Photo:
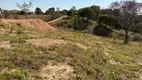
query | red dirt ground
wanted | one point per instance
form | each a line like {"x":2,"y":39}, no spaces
{"x":30,"y":23}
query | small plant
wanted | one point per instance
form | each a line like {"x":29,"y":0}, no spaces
{"x":17,"y":75}
{"x":112,"y":76}
{"x":16,"y":16}
{"x":11,"y":29}
{"x":19,"y":29}
{"x":2,"y":24}
{"x":18,"y":39}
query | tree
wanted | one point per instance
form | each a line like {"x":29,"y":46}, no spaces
{"x":38,"y":11}
{"x":87,"y":13}
{"x":72,"y":11}
{"x":64,"y":12}
{"x":97,"y":10}
{"x":25,"y":7}
{"x":107,"y":11}
{"x":50,"y":11}
{"x":127,"y":11}
{"x":108,"y":20}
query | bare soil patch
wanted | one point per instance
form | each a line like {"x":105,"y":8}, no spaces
{"x":4,"y":44}
{"x":57,"y":71}
{"x":46,"y":42}
{"x":30,"y":23}
{"x":3,"y":31}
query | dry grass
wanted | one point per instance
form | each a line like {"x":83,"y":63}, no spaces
{"x":43,"y":17}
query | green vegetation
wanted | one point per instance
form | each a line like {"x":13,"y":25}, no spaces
{"x":76,"y":23}
{"x":91,"y":63}
{"x":38,"y":11}
{"x":26,"y":53}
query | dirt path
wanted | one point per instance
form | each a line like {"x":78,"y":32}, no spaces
{"x":56,"y":19}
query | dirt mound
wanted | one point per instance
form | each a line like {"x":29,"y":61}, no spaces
{"x":30,"y":23}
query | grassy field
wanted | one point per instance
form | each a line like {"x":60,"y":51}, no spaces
{"x":23,"y":55}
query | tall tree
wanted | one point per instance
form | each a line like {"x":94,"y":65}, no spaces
{"x":128,"y":11}
{"x":25,"y":7}
{"x":38,"y":11}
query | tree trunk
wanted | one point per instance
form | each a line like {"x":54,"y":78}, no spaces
{"x":126,"y":37}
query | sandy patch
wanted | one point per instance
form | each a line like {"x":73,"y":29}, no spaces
{"x":4,"y":44}
{"x":46,"y":42}
{"x":57,"y":71}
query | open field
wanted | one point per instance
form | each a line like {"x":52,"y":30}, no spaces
{"x":33,"y":55}
{"x":45,"y":40}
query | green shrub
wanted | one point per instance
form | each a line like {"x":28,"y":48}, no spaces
{"x":108,"y":20}
{"x":136,"y":37}
{"x":6,"y":14}
{"x":19,"y":29}
{"x":2,"y":25}
{"x":18,"y":39}
{"x":17,"y":75}
{"x":102,"y":30}
{"x":16,"y":16}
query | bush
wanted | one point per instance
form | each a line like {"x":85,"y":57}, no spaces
{"x":18,"y":39}
{"x":54,"y":15}
{"x":108,"y":20}
{"x":102,"y":30}
{"x":6,"y":14}
{"x":136,"y":37}
{"x":18,"y":75}
{"x":2,"y":25}
{"x":78,"y":23}
{"x":16,"y":16}
{"x":18,"y":29}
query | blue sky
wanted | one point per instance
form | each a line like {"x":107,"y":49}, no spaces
{"x":63,"y":4}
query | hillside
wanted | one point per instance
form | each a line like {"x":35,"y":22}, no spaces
{"x":66,"y":55}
